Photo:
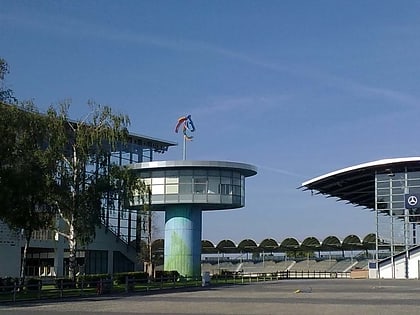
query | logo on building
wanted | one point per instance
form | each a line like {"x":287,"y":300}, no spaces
{"x":411,"y":201}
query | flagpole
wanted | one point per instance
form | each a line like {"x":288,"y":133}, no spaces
{"x":187,"y":125}
{"x":184,"y":149}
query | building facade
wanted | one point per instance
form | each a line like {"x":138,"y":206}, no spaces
{"x":111,"y":251}
{"x":391,"y":189}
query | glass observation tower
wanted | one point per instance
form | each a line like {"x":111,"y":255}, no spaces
{"x":183,"y":189}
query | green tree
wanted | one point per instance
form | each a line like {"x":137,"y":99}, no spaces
{"x":6,"y":94}
{"x":87,"y":181}
{"x":26,"y":172}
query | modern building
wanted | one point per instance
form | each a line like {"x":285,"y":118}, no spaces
{"x":183,"y":189}
{"x":391,"y":189}
{"x":111,"y":250}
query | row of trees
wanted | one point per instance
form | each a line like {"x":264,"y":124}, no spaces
{"x":53,"y":169}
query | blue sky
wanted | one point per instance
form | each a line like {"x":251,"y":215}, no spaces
{"x":297,"y":88}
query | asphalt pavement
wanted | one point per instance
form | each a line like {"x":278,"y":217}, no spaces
{"x":326,"y":297}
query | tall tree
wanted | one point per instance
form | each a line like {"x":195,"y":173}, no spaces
{"x":26,"y":172}
{"x":87,"y":180}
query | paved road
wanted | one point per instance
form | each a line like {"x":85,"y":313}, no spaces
{"x":326,"y":297}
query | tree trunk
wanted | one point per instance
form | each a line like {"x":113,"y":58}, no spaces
{"x":72,"y":252}
{"x":28,"y":235}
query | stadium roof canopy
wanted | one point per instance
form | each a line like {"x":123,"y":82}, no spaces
{"x":270,"y":245}
{"x":356,"y":184}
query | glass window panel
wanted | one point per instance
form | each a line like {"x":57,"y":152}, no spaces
{"x":413,"y":182}
{"x":185,"y":188}
{"x":158,"y":180}
{"x":226,"y":173}
{"x":398,"y":205}
{"x":200,"y":185}
{"x":185,"y":179}
{"x":200,"y":198}
{"x":200,"y":180}
{"x":213,"y":173}
{"x":398,"y":211}
{"x":172,"y":173}
{"x":158,"y":198}
{"x":145,"y":174}
{"x":383,"y":201}
{"x":415,"y":175}
{"x":397,"y":197}
{"x":158,"y":174}
{"x":200,"y":188}
{"x":171,"y":189}
{"x":186,"y":198}
{"x":398,"y":183}
{"x":213,"y":198}
{"x":199,"y":172}
{"x":214,"y":183}
{"x":396,"y":191}
{"x":225,"y":189}
{"x":414,"y":190}
{"x":237,"y":190}
{"x":383,"y":192}
{"x":172,"y":180}
{"x":185,"y":173}
{"x":226,"y":180}
{"x":158,"y":189}
{"x":171,"y":198}
{"x":236,"y":199}
{"x":226,"y":199}
{"x":383,"y":184}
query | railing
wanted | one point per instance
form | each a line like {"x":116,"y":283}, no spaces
{"x":62,"y":288}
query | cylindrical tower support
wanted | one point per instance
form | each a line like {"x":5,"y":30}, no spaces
{"x":183,"y":226}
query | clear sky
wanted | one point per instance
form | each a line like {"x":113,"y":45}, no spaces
{"x":297,"y":88}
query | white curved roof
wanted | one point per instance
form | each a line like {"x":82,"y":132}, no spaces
{"x":356,"y":184}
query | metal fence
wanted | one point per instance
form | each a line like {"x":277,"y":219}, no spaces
{"x":63,"y":288}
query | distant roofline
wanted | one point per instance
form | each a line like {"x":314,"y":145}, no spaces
{"x":158,"y":145}
{"x":382,"y":162}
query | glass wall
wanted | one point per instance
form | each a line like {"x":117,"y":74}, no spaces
{"x":121,"y":221}
{"x":213,"y":188}
{"x":396,"y":225}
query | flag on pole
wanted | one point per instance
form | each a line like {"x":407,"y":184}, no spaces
{"x":187,"y":125}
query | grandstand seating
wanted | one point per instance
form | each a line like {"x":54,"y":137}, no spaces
{"x":250,"y":267}
{"x":342,"y":266}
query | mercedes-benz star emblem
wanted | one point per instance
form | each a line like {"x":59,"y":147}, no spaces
{"x":412,"y":200}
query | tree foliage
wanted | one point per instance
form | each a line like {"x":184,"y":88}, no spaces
{"x":6,"y":94}
{"x":87,"y":180}
{"x":51,"y":165}
{"x":26,"y":171}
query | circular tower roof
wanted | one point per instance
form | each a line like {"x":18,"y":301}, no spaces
{"x":208,"y":185}
{"x":245,"y":169}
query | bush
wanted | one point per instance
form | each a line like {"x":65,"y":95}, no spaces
{"x":91,"y":281}
{"x":33,"y":284}
{"x":7,"y":284}
{"x":65,"y":283}
{"x":138,"y":277}
{"x":167,"y":276}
